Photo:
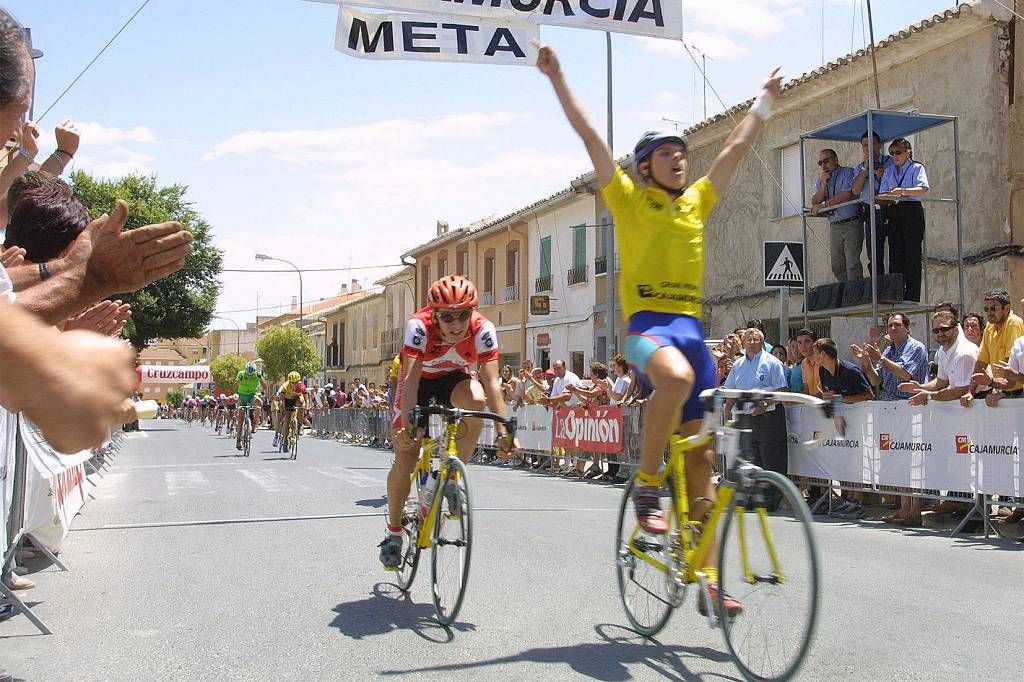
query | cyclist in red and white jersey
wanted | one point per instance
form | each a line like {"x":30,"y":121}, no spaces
{"x":442,"y":342}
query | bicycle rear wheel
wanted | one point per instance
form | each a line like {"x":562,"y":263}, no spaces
{"x":644,"y":567}
{"x":777,"y":581}
{"x":453,"y":536}
{"x":410,"y":550}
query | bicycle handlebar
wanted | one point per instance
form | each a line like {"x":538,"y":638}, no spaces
{"x":456,"y":414}
{"x":714,"y":399}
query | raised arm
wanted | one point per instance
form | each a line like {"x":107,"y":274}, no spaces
{"x":600,"y":155}
{"x":743,"y":135}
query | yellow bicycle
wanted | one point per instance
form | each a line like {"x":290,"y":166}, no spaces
{"x":440,"y":516}
{"x":767,"y":558}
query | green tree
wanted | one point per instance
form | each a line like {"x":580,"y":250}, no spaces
{"x":179,"y":305}
{"x":175,"y":398}
{"x":284,"y":349}
{"x":225,"y":370}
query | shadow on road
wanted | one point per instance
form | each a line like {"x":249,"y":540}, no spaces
{"x":389,"y":609}
{"x":275,"y":459}
{"x":603,"y":660}
{"x":373,"y":502}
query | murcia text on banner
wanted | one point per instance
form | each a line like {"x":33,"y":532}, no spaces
{"x":655,"y":18}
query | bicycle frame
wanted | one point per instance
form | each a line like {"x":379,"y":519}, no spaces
{"x":694,"y":559}
{"x":427,"y":450}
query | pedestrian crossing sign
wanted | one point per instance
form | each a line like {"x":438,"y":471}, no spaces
{"x":783,"y":264}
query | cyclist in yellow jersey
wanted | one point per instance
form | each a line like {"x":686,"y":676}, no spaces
{"x":659,"y":229}
{"x":292,"y":392}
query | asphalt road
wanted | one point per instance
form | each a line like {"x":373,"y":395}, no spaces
{"x":191,"y":563}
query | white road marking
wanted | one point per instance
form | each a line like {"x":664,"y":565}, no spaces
{"x":191,"y":482}
{"x":105,"y":488}
{"x":356,"y":478}
{"x":270,"y":480}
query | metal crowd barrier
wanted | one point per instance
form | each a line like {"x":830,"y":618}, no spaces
{"x":372,"y":428}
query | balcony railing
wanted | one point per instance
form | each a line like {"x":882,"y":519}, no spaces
{"x":577,"y":275}
{"x":600,"y":265}
{"x":487,"y":298}
{"x":510,"y":294}
{"x":543,"y":283}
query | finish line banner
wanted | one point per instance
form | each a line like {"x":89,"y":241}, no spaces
{"x":433,"y":38}
{"x":654,"y":18}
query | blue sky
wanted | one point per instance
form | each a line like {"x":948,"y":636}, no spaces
{"x":295,"y":150}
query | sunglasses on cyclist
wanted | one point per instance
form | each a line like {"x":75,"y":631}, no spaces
{"x":448,"y":318}
{"x":942,"y":330}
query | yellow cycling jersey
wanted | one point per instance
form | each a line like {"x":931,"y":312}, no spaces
{"x":396,"y":365}
{"x":287,"y":390}
{"x":661,"y":244}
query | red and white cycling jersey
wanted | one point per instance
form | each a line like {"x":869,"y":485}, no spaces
{"x":423,"y":341}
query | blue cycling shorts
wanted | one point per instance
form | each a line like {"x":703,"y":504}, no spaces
{"x":649,"y":332}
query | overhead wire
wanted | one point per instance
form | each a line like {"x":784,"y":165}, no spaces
{"x":93,"y":61}
{"x":764,"y":164}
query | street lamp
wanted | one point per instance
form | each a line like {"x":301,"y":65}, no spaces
{"x":261,"y":256}
{"x":238,"y":333}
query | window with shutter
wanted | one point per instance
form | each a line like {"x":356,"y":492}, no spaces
{"x":789,"y":197}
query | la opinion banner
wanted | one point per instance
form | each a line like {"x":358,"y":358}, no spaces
{"x":655,"y":18}
{"x":593,"y":429}
{"x":941,"y":446}
{"x":176,"y":374}
{"x":434,"y":38}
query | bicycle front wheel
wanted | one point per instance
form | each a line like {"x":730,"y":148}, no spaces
{"x":644,"y":566}
{"x":246,"y":437}
{"x":769,"y":563}
{"x":293,"y":437}
{"x":453,"y":537}
{"x":410,"y":547}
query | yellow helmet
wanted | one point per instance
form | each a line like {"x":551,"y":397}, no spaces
{"x":293,"y":377}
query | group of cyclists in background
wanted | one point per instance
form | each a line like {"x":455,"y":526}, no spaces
{"x":254,"y":399}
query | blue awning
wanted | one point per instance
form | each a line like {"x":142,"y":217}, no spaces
{"x":888,"y":124}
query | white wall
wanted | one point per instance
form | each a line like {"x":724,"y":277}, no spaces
{"x":570,"y":323}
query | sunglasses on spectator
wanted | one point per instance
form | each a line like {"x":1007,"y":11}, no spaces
{"x":993,"y":308}
{"x":899,"y":152}
{"x":452,"y":317}
{"x":942,"y":330}
{"x":822,"y":162}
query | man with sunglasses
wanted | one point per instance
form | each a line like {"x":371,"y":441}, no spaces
{"x":846,"y":235}
{"x":906,"y":180}
{"x":955,"y":358}
{"x":1002,"y":331}
{"x":442,"y":341}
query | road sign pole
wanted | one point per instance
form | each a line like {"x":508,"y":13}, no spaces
{"x":784,"y":316}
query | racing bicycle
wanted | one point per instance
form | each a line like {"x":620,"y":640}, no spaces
{"x":767,"y":559}
{"x":446,"y":526}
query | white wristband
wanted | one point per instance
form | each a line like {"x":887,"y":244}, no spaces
{"x":24,"y":152}
{"x":762,"y":107}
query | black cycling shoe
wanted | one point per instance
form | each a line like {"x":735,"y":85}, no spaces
{"x":391,"y":552}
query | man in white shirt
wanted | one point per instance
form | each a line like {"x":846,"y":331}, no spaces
{"x":955,"y":357}
{"x":560,"y":394}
